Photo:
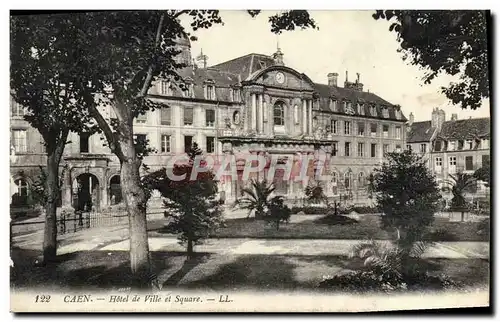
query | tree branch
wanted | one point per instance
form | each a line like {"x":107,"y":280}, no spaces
{"x":108,"y":132}
{"x":149,"y":76}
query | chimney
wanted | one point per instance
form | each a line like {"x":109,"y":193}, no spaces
{"x":411,"y":120}
{"x":332,"y":79}
{"x":454,"y":117}
{"x":438,"y":118}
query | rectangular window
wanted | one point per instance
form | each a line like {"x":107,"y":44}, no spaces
{"x":190,"y":90}
{"x":385,"y":130}
{"x":166,"y":116}
{"x":84,"y":142}
{"x":373,"y":129}
{"x":347,"y":127}
{"x":165,"y":143}
{"x":165,"y":88}
{"x":469,"y":145}
{"x":373,"y":110}
{"x":373,"y":152}
{"x":296,"y":114}
{"x":210,"y":117}
{"x":452,"y":146}
{"x":210,"y":92}
{"x":347,"y":149}
{"x":460,"y":144}
{"x":453,"y":161}
{"x":188,"y":142}
{"x":469,"y":163}
{"x":188,"y":116}
{"x":398,"y":132}
{"x":334,"y":126}
{"x":361,"y":110}
{"x":423,"y":148}
{"x":408,"y":147}
{"x":236,"y":95}
{"x":361,"y":149}
{"x":210,"y":144}
{"x":20,"y":142}
{"x":361,"y":129}
{"x":439,"y":162}
{"x":16,"y":108}
{"x":385,"y":148}
{"x":142,"y":118}
{"x":335,"y":148}
{"x":437,"y":146}
{"x":398,"y":114}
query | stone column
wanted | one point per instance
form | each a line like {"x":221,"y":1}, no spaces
{"x":261,"y":114}
{"x":309,"y":107}
{"x":304,"y":116}
{"x":67,"y":197}
{"x":254,"y":111}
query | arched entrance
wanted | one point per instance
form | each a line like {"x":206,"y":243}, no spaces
{"x":115,"y":190}
{"x":86,"y":192}
{"x":20,"y":196}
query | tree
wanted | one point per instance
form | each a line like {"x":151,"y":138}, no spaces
{"x":450,"y":41}
{"x":258,"y":198}
{"x":483,"y":174}
{"x":315,"y":193}
{"x":278,"y":212}
{"x":139,"y":49}
{"x":45,"y":81}
{"x":407,"y":194}
{"x":460,"y":183}
{"x":191,"y":203}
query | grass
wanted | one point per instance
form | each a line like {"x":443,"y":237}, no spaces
{"x":102,"y":270}
{"x":339,"y":227}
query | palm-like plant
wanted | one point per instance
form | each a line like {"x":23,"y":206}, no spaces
{"x":386,"y":258}
{"x":460,"y":184}
{"x":258,"y":198}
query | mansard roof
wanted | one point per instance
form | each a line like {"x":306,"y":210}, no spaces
{"x":466,"y":129}
{"x":421,"y":132}
{"x":245,"y":66}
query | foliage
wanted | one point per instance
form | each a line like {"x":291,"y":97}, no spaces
{"x":407,"y":194}
{"x":483,"y":228}
{"x":311,"y":210}
{"x":483,"y":173}
{"x":37,"y":189}
{"x":450,"y":41}
{"x":315,"y":193}
{"x":387,"y":258}
{"x":191,"y":205}
{"x":364,"y":281}
{"x":278,"y":212}
{"x":460,"y":183}
{"x":258,"y":198}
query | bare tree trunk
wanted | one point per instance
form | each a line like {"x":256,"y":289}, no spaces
{"x":190,"y":250}
{"x":135,"y":200}
{"x":52,"y":194}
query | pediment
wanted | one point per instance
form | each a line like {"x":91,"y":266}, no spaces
{"x":282,"y":77}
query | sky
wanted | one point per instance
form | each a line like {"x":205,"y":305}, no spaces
{"x":346,"y":41}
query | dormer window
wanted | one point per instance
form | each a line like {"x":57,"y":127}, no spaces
{"x":210,"y":92}
{"x":188,"y":91}
{"x":385,"y":112}
{"x":361,"y":109}
{"x":348,"y":108}
{"x":373,"y":110}
{"x":262,"y":64}
{"x":165,"y":88}
{"x":16,"y":108}
{"x":398,"y":114}
{"x":333,"y":105}
{"x":235,"y":95}
{"x":452,"y":146}
{"x":469,"y":145}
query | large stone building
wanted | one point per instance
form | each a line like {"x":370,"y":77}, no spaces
{"x":451,"y":146}
{"x":252,"y":104}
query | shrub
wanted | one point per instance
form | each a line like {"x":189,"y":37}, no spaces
{"x":278,"y":212}
{"x":310,"y":210}
{"x":483,"y":228}
{"x":364,"y":281}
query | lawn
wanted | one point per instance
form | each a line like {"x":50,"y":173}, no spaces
{"x":336,"y":227}
{"x":102,"y":270}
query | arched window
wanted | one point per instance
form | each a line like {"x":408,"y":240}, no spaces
{"x":348,"y":180}
{"x":361,"y":180}
{"x":335,"y":178}
{"x":279,"y":113}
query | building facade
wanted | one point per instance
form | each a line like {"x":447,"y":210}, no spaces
{"x":452,"y":146}
{"x":252,"y":104}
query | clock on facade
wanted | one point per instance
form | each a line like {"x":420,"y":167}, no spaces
{"x":280,"y":78}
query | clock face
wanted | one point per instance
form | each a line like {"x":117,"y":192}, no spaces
{"x":280,"y":78}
